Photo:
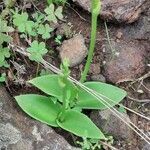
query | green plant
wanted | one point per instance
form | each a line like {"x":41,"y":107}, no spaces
{"x":45,"y":31}
{"x":60,"y":108}
{"x":89,"y":144}
{"x":96,"y":6}
{"x":53,"y":14}
{"x":3,"y":77}
{"x":37,"y":50}
{"x":38,"y":25}
{"x":58,"y":39}
{"x":4,"y":38}
{"x":4,"y":53}
{"x":23,"y":23}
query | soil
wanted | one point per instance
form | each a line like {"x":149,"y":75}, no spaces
{"x":138,"y":89}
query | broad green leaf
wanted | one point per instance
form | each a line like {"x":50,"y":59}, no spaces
{"x":87,"y":101}
{"x":80,"y":125}
{"x":39,"y":107}
{"x":50,"y":85}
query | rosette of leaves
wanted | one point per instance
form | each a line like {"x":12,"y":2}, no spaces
{"x":62,"y":106}
{"x":53,"y":14}
{"x":37,"y":50}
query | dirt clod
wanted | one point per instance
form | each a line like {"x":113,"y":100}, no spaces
{"x":74,"y":50}
{"x":128,"y":64}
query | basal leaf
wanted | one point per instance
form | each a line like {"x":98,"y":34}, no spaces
{"x":39,"y":107}
{"x":50,"y":85}
{"x":80,"y":125}
{"x":87,"y":101}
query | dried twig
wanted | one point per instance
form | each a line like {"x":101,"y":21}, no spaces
{"x":139,"y":101}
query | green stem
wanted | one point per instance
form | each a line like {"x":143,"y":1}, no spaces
{"x":95,"y":12}
{"x":65,"y":104}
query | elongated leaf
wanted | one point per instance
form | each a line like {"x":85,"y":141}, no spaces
{"x":50,"y":85}
{"x":80,"y":125}
{"x":40,"y":108}
{"x":87,"y":101}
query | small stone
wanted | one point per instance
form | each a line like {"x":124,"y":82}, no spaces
{"x":128,"y":65}
{"x":98,"y":77}
{"x":112,"y":125}
{"x":74,"y":50}
{"x":119,"y":35}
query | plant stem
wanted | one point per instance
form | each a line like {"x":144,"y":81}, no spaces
{"x":95,"y":12}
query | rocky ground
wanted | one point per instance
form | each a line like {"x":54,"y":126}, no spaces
{"x":125,"y":63}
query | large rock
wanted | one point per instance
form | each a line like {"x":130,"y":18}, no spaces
{"x":74,"y":50}
{"x":126,"y":11}
{"x":19,"y":132}
{"x":112,"y":125}
{"x":128,"y":64}
{"x":139,"y":30}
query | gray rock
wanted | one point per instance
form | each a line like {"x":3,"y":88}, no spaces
{"x":117,"y":10}
{"x":146,"y":147}
{"x":128,"y":64}
{"x":19,"y":132}
{"x":98,"y":77}
{"x":74,"y":50}
{"x":8,"y":135}
{"x":140,"y":30}
{"x":112,"y":125}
